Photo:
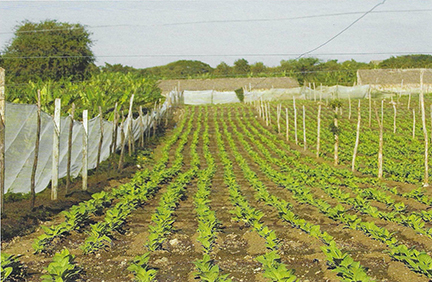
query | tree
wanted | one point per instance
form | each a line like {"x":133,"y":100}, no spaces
{"x":258,"y":68}
{"x":48,"y":50}
{"x":223,"y":69}
{"x":241,"y":66}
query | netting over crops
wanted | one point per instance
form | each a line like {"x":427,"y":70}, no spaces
{"x":322,"y":92}
{"x":20,"y":138}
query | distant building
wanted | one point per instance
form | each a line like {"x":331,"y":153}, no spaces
{"x":399,"y":77}
{"x":228,"y":84}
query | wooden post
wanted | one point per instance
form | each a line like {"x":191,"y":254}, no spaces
{"x":36,"y":156}
{"x":279,"y":109}
{"x":318,"y":130}
{"x":115,"y":131}
{"x":349,"y":106}
{"x":269,"y":112}
{"x":357,"y":136}
{"x":431,"y":120}
{"x":336,"y":137}
{"x":304,"y":129}
{"x":2,"y":137}
{"x":55,"y":151}
{"x":101,"y":137}
{"x":129,"y":126}
{"x":381,"y":140}
{"x":425,"y":133}
{"x":370,"y":108}
{"x":287,"y":124}
{"x":122,"y":134}
{"x":85,"y":151}
{"x":409,"y":100}
{"x":266,"y":114}
{"x":69,"y":153}
{"x":394,"y":116}
{"x":414,"y":124}
{"x":141,"y":123}
{"x":295,"y":123}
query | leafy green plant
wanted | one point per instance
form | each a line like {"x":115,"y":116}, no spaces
{"x":62,"y":268}
{"x":11,"y":268}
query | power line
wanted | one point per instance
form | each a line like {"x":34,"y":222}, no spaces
{"x":220,"y":55}
{"x":343,"y":30}
{"x":220,"y":21}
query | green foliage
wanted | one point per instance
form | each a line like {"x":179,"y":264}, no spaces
{"x":103,"y":89}
{"x":179,"y":69}
{"x":240,"y":94}
{"x":241,"y":66}
{"x":48,"y":50}
{"x":407,"y":61}
{"x":11,"y":268}
{"x":62,"y":268}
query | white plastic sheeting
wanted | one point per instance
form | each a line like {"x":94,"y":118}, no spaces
{"x":322,"y":92}
{"x":20,"y":138}
{"x":209,"y":97}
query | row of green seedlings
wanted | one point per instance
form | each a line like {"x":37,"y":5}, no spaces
{"x":208,"y":225}
{"x":341,"y":262}
{"x":131,"y":194}
{"x":398,"y":167}
{"x":163,"y":217}
{"x":416,"y":194}
{"x":360,"y":200}
{"x":274,"y":269}
{"x":416,"y":260}
{"x":101,"y":233}
{"x":79,"y":215}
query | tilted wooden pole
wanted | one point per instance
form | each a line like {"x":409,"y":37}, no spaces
{"x":425,"y":133}
{"x":287,"y":124}
{"x":101,"y":137}
{"x":69,"y":153}
{"x":36,"y":156}
{"x":85,"y":151}
{"x":318,"y":130}
{"x":381,"y":140}
{"x":2,"y":137}
{"x":304,"y":129}
{"x":56,"y":149}
{"x":295,"y":123}
{"x":357,"y":137}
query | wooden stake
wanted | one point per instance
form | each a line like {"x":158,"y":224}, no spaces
{"x":279,"y":109}
{"x":141,"y":123}
{"x":409,"y":100}
{"x":318,"y":130}
{"x":113,"y":146}
{"x":425,"y":133}
{"x":336,"y":137}
{"x":55,"y":151}
{"x":414,"y":123}
{"x":129,"y":126}
{"x":380,"y":148}
{"x":85,"y":150}
{"x":357,"y":137}
{"x":287,"y":124}
{"x":2,"y":137}
{"x":101,"y":137}
{"x":295,"y":122}
{"x":370,"y":108}
{"x":123,"y":127}
{"x":69,"y":153}
{"x":304,"y":129}
{"x":349,"y":106}
{"x":394,"y":116}
{"x":36,"y":156}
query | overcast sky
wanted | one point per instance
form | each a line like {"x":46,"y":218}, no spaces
{"x":149,"y":33}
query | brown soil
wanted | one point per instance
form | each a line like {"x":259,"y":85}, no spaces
{"x":237,"y":245}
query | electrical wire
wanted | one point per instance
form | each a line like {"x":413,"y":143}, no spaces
{"x":343,"y":30}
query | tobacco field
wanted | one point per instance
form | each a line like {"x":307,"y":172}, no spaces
{"x":226,"y":197}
